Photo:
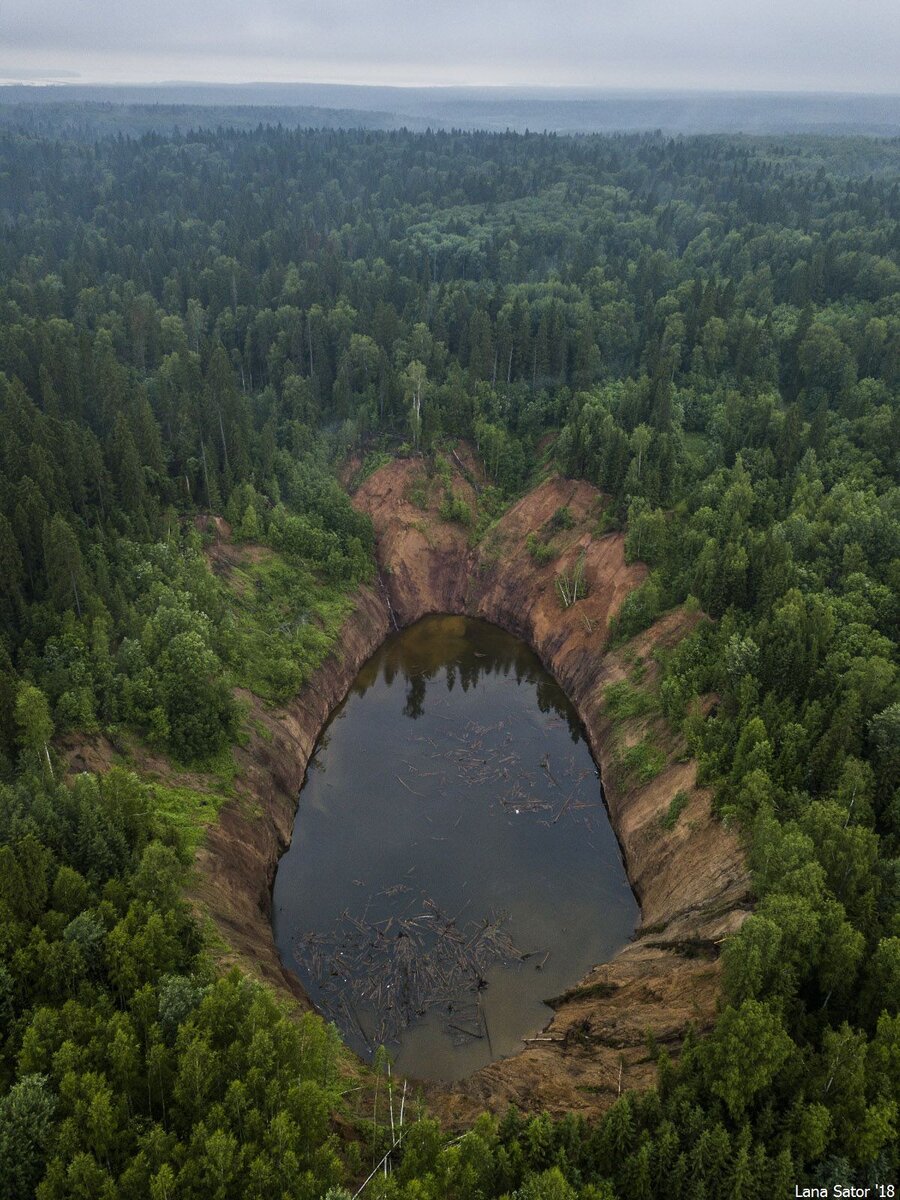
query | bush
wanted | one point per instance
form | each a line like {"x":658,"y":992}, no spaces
{"x":561,"y":519}
{"x":454,"y":509}
{"x":644,"y":761}
{"x":677,"y":805}
{"x":621,"y":701}
{"x":638,"y":612}
{"x":417,"y":493}
{"x":539,"y":551}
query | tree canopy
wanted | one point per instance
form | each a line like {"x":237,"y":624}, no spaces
{"x":201,"y":326}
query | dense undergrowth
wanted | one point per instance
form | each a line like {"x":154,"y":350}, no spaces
{"x":709,"y":330}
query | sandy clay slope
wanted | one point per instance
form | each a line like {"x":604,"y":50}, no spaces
{"x":691,"y":881}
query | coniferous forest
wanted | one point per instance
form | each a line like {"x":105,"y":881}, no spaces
{"x":212,"y":324}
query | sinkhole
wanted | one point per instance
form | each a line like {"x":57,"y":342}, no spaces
{"x":452,"y":863}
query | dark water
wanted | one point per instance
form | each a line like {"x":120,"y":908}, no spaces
{"x":452,"y":864}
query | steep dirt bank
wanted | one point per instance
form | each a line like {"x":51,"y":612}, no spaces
{"x":690,"y":880}
{"x":237,"y":860}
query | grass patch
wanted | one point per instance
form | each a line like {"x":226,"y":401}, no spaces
{"x":261,"y":729}
{"x":639,"y":671}
{"x":283,"y":623}
{"x":677,"y":805}
{"x":187,"y":810}
{"x":643,"y":761}
{"x":221,"y":766}
{"x":621,"y":700}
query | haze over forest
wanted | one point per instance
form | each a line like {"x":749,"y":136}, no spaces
{"x":168,"y":107}
{"x":574,"y":67}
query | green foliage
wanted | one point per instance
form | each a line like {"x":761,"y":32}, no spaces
{"x":454,"y":508}
{"x":745,"y":1054}
{"x":621,"y":701}
{"x":186,"y":810}
{"x":561,"y":519}
{"x":570,"y":584}
{"x":643,"y":761}
{"x":26,"y":1115}
{"x":35,"y":725}
{"x":639,"y":610}
{"x":677,"y":805}
{"x":491,"y":506}
{"x":707,"y":330}
{"x":124,"y":1041}
{"x":373,"y":461}
{"x":417,"y":493}
{"x":541,"y":552}
{"x":282,"y":622}
{"x":502,"y":454}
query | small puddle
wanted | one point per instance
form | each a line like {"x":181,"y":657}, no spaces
{"x":452,"y":863}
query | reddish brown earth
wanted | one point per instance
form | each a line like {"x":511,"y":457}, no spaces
{"x":691,"y":882}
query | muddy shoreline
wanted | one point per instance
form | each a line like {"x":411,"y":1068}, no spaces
{"x":691,"y":881}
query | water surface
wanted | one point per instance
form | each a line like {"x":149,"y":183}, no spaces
{"x":452,"y":863}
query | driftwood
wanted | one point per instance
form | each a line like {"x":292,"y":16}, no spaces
{"x":408,"y":788}
{"x":394,"y":970}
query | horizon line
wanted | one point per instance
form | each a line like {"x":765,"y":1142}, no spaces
{"x":50,"y":80}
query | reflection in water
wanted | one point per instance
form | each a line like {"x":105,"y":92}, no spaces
{"x":452,"y":864}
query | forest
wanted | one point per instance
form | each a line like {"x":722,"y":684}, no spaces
{"x":212,"y":323}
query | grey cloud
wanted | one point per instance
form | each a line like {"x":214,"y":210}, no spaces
{"x":829,"y":44}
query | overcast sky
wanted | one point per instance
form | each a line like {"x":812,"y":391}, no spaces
{"x":833,"y":45}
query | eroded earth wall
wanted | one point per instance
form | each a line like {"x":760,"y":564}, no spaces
{"x":690,"y":880}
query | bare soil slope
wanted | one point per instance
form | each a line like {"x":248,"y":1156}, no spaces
{"x":690,"y":880}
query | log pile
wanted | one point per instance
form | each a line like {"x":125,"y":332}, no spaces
{"x":375,"y":978}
